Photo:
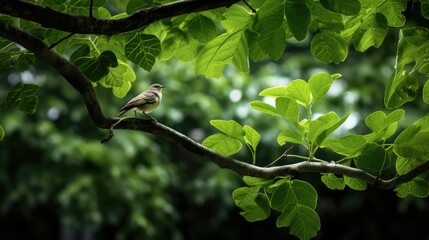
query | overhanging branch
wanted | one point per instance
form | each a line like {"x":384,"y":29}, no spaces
{"x":50,"y":18}
{"x":84,"y":87}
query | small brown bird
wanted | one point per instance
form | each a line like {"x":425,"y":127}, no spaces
{"x":145,"y":102}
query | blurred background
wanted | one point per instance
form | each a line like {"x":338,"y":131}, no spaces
{"x":58,"y":182}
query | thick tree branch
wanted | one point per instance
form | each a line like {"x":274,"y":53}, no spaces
{"x":50,"y":18}
{"x":84,"y":87}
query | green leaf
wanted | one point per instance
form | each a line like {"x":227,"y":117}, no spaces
{"x":229,"y":127}
{"x":241,"y":56}
{"x":413,"y":141}
{"x":255,"y":205}
{"x":378,"y":121}
{"x":323,"y":126}
{"x":329,"y":47}
{"x":286,"y":136}
{"x":1,"y":133}
{"x":426,"y":92}
{"x":122,"y":91}
{"x":264,"y":108}
{"x":272,"y":42}
{"x":330,"y":127}
{"x":295,"y":192}
{"x":392,"y":10}
{"x":404,"y":165}
{"x":135,"y":5}
{"x":25,"y":96}
{"x":223,"y":144}
{"x":95,"y":68}
{"x":142,"y":49}
{"x":354,"y":183}
{"x":302,"y":220}
{"x":202,"y":28}
{"x":251,"y":136}
{"x":255,"y":181}
{"x":270,"y":15}
{"x":217,"y":53}
{"x":24,"y":61}
{"x":299,"y":91}
{"x":371,"y":33}
{"x":349,"y":146}
{"x":346,"y":7}
{"x":284,"y":107}
{"x":320,"y":83}
{"x":325,"y":19}
{"x":373,"y":158}
{"x":118,"y":76}
{"x":288,"y":109}
{"x":333,"y":182}
{"x":236,"y":18}
{"x":298,"y":18}
{"x":416,"y":187}
{"x":401,"y":88}
{"x":383,"y":126}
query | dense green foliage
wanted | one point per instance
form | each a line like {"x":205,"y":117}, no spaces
{"x":254,"y":31}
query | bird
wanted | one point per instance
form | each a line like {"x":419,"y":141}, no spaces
{"x":145,"y":102}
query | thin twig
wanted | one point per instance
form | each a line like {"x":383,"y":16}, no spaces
{"x":281,"y":156}
{"x":59,"y":41}
{"x":106,"y":139}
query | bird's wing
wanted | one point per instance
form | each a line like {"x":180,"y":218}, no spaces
{"x":141,"y":99}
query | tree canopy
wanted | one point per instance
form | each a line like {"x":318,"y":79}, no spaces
{"x":97,"y":45}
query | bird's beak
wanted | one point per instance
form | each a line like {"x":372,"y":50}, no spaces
{"x":163,"y":86}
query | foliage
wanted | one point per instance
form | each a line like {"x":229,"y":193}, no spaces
{"x":257,"y":31}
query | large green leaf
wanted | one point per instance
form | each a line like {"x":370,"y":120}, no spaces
{"x":320,"y":83}
{"x":298,"y":18}
{"x":302,"y":220}
{"x":251,"y":137}
{"x":392,"y":10}
{"x":223,"y":144}
{"x":325,"y":19}
{"x":333,"y":182}
{"x":355,"y":184}
{"x":293,"y":192}
{"x":404,"y":165}
{"x":383,"y":126}
{"x":255,"y":205}
{"x":413,"y":141}
{"x":23,"y":95}
{"x":272,"y":42}
{"x":346,"y":7}
{"x":217,"y":53}
{"x":370,"y":34}
{"x":228,"y":47}
{"x":401,"y":88}
{"x":202,"y":28}
{"x":142,"y":49}
{"x":229,"y":127}
{"x":241,"y":56}
{"x":373,"y":158}
{"x":416,"y":187}
{"x":347,"y":146}
{"x":329,"y":47}
{"x":292,"y":136}
{"x":95,"y":68}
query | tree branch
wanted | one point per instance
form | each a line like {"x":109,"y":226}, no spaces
{"x":50,"y":18}
{"x":85,"y":88}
